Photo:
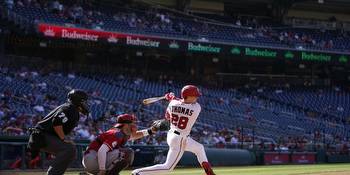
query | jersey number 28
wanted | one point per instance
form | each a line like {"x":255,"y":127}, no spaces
{"x":180,"y":122}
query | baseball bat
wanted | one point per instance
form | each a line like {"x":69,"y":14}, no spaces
{"x":152,"y":100}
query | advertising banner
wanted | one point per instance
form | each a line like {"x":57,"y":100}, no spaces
{"x":304,"y":158}
{"x":144,"y":41}
{"x":276,"y":158}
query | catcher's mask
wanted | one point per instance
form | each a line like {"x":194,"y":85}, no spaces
{"x":124,"y":119}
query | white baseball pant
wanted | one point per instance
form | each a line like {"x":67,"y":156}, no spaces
{"x":178,"y":144}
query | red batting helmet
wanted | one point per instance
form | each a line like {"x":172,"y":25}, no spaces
{"x":190,"y":90}
{"x":124,"y":119}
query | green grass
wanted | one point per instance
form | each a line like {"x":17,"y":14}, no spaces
{"x":265,"y":170}
{"x":324,"y":169}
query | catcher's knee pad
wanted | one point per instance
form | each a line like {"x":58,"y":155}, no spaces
{"x":127,"y":154}
{"x":90,"y":162}
{"x":127,"y":157}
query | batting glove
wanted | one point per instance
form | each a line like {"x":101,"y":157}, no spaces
{"x":169,"y":96}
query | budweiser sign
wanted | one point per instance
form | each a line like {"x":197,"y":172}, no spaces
{"x":141,"y":42}
{"x":95,"y":35}
{"x":72,"y":34}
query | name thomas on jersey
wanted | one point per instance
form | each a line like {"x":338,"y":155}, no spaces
{"x":182,"y":110}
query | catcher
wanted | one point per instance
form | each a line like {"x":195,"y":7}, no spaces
{"x":106,"y":154}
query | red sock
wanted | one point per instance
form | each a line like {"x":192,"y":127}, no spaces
{"x":16,"y":164}
{"x":207,"y":168}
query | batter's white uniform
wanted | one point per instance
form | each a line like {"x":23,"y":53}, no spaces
{"x":182,"y":117}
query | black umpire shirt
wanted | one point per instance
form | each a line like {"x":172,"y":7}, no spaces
{"x":66,"y":115}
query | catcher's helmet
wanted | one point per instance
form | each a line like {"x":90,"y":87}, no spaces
{"x":124,"y":119}
{"x":190,"y":90}
{"x":79,"y":98}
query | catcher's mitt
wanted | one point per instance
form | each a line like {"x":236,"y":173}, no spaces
{"x":161,"y":125}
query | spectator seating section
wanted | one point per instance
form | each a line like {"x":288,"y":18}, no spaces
{"x":143,"y":21}
{"x":274,"y":116}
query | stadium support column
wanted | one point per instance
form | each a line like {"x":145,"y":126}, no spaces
{"x":280,"y":8}
{"x":183,"y":5}
{"x":313,"y":74}
{"x":2,"y":43}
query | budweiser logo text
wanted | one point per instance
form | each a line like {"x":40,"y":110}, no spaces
{"x":76,"y":35}
{"x":140,"y":42}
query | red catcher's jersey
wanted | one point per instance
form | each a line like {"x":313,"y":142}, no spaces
{"x":113,"y":138}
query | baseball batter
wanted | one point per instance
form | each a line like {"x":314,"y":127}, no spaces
{"x":182,"y":114}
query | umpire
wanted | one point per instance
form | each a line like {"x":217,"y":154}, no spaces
{"x":49,"y":133}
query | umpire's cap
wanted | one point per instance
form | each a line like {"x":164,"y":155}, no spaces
{"x":79,"y":98}
{"x":124,"y":119}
